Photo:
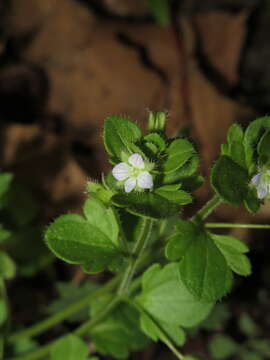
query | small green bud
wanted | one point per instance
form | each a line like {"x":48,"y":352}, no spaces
{"x":156,"y":121}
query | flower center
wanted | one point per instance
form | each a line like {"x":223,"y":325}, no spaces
{"x":135,"y":172}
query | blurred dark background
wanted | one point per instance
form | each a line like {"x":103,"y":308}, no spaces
{"x":67,"y":64}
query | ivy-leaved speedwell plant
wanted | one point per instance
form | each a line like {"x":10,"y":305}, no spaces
{"x":168,"y":271}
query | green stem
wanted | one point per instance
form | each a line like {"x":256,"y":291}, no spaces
{"x":135,"y":261}
{"x":85,"y":328}
{"x":66,"y":312}
{"x":206,"y":210}
{"x":241,"y":226}
{"x":3,"y":328}
{"x":136,"y":254}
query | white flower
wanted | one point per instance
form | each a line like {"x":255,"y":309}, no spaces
{"x":262,"y":183}
{"x":134,"y":173}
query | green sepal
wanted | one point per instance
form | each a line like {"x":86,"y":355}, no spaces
{"x":146,"y":205}
{"x":99,"y":192}
{"x":235,"y":134}
{"x":229,"y":180}
{"x":76,"y":241}
{"x":178,"y":153}
{"x":119,"y":133}
{"x":156,"y":120}
{"x":165,"y":297}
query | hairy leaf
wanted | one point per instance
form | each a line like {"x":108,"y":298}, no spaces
{"x":146,"y":205}
{"x":165,"y":297}
{"x":74,"y":240}
{"x":119,"y":133}
{"x":69,"y":348}
{"x":230,"y":180}
{"x":103,"y":218}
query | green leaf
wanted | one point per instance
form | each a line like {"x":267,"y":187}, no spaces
{"x":262,"y":346}
{"x":222,"y":347}
{"x":76,"y":241}
{"x":21,"y":205}
{"x":5,"y":183}
{"x":231,"y":241}
{"x":233,"y":250}
{"x":119,"y":133}
{"x":263,"y":147}
{"x":250,"y":355}
{"x":192,"y":183}
{"x":4,"y":234}
{"x":99,"y":192}
{"x":7,"y":266}
{"x":247,"y":325}
{"x":230,"y":180}
{"x":235,"y":148}
{"x":28,"y":250}
{"x":157,"y":140}
{"x":217,"y":318}
{"x":180,"y":197}
{"x":158,"y":330}
{"x":103,"y":218}
{"x":253,"y":134}
{"x":166,"y":299}
{"x":178,"y":243}
{"x":179,"y":152}
{"x":183,"y":173}
{"x":23,"y":346}
{"x":70,"y":293}
{"x":252,"y":202}
{"x":146,"y":205}
{"x":160,"y":9}
{"x":235,"y":133}
{"x":120,"y":333}
{"x":204,"y":270}
{"x":237,"y":153}
{"x":69,"y":347}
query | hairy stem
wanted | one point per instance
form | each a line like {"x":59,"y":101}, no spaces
{"x":137,"y":252}
{"x":4,"y":326}
{"x":233,"y":225}
{"x":66,"y":312}
{"x":82,"y":330}
{"x":207,"y":209}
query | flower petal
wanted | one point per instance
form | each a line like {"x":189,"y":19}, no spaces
{"x":145,"y":180}
{"x":262,"y":191}
{"x":130,"y":184}
{"x":256,"y":179}
{"x":121,"y":171}
{"x":136,"y":160}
